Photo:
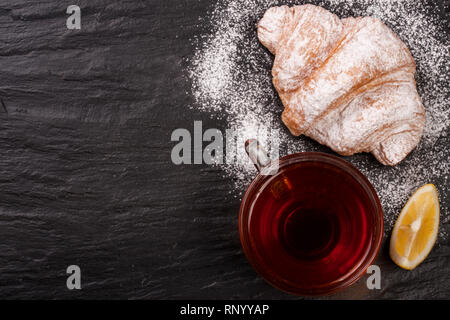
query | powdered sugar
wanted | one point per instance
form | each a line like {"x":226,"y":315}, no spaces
{"x":231,"y":78}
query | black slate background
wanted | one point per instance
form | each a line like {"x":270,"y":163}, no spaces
{"x":85,"y":170}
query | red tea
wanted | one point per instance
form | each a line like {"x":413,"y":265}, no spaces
{"x":312,"y":223}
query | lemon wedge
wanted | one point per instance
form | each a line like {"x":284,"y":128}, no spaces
{"x":416,"y":228}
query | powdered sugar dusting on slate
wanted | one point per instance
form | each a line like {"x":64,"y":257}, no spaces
{"x":231,"y":79}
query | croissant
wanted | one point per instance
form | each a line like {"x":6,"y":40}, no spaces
{"x":347,"y":83}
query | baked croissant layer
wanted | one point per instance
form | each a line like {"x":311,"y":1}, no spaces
{"x":347,"y":83}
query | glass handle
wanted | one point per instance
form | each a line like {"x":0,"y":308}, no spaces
{"x":257,"y":154}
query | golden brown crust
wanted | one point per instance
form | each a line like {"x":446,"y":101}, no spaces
{"x":347,"y":83}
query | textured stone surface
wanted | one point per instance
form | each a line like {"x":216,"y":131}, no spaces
{"x":85,"y":170}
